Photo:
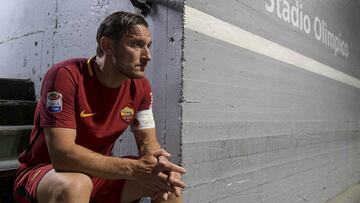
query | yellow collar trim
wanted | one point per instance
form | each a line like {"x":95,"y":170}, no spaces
{"x":89,"y":66}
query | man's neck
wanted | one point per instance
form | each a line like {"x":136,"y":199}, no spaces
{"x":107,"y":74}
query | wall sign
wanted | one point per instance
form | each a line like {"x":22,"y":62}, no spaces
{"x":295,"y":15}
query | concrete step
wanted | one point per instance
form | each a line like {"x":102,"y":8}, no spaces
{"x":350,"y":195}
{"x":16,"y":89}
{"x":16,"y":112}
{"x":14,"y":140}
{"x":17,"y":106}
{"x":8,"y":167}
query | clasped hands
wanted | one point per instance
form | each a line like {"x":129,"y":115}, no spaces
{"x":157,"y":173}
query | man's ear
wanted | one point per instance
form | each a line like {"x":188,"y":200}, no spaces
{"x":106,"y":45}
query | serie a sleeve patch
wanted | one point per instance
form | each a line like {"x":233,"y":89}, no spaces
{"x":54,"y":102}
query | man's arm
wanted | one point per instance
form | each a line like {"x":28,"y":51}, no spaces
{"x":146,"y":140}
{"x":66,"y":155}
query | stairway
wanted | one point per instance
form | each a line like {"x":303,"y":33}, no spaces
{"x":17,"y":106}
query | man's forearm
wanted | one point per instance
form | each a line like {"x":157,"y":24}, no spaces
{"x":146,"y":141}
{"x":79,"y":159}
{"x":146,"y":147}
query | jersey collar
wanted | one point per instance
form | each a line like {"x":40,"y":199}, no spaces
{"x":89,"y":61}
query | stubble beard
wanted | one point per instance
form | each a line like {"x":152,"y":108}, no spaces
{"x":132,"y":74}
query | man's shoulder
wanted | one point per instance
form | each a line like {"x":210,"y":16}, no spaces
{"x":71,"y":66}
{"x":70,"y":62}
{"x":142,"y":85}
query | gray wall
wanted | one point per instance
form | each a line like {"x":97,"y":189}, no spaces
{"x":256,"y":129}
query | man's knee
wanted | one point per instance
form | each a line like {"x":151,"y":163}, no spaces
{"x":64,"y":186}
{"x":79,"y":184}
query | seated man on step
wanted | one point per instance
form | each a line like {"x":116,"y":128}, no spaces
{"x":85,"y":105}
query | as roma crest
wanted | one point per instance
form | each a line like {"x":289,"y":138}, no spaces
{"x":127,"y":114}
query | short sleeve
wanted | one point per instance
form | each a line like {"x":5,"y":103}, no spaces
{"x":144,"y":117}
{"x":57,"y":99}
{"x":147,"y":99}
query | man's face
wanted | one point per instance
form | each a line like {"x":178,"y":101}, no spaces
{"x":131,"y":53}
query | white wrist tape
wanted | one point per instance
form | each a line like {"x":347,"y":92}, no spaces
{"x":143,"y":119}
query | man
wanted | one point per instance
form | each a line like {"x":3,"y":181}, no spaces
{"x":85,"y":105}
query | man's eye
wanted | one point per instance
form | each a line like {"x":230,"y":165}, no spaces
{"x":138,"y":44}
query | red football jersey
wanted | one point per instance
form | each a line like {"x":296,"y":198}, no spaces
{"x":73,"y":97}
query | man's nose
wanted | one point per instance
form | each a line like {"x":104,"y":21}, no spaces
{"x":146,"y":54}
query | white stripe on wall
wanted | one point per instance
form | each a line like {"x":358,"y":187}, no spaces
{"x":209,"y":25}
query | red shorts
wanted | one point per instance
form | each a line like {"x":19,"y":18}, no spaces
{"x":27,"y":181}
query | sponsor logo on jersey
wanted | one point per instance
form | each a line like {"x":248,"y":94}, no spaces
{"x":84,"y":115}
{"x":127,"y":114}
{"x":54,"y":102}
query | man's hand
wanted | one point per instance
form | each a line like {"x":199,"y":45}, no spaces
{"x":174,"y":178}
{"x":153,"y":170}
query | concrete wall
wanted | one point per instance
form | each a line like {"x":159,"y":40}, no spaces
{"x":270,"y":110}
{"x":35,"y":35}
